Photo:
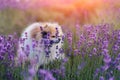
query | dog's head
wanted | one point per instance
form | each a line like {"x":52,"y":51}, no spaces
{"x":50,"y":34}
{"x":51,"y":31}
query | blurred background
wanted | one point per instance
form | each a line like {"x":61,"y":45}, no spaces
{"x":15,"y":15}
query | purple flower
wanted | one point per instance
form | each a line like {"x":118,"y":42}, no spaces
{"x":94,"y":51}
{"x":69,"y":38}
{"x":81,"y":66}
{"x":111,"y":78}
{"x":107,"y":58}
{"x":47,"y":75}
{"x":117,"y":58}
{"x":116,"y":47}
{"x":101,"y":78}
{"x":76,"y":52}
{"x":32,"y":71}
{"x":105,"y":67}
{"x":105,"y":51}
{"x":96,"y":72}
{"x":65,"y":60}
{"x":118,"y":67}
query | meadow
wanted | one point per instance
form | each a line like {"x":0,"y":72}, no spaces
{"x":91,"y":43}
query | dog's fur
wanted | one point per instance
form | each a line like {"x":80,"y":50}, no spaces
{"x":36,"y":56}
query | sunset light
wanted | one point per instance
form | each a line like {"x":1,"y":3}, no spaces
{"x":69,"y":4}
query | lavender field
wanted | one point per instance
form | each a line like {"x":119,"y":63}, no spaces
{"x":91,"y":42}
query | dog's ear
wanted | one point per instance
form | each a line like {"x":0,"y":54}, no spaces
{"x":35,"y":32}
{"x":46,"y":26}
{"x":53,"y":31}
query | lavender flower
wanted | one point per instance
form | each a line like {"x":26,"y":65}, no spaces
{"x":111,"y":78}
{"x":47,"y":75}
{"x":100,"y":42}
{"x":101,"y":78}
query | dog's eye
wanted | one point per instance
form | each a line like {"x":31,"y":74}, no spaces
{"x":44,"y":34}
{"x":53,"y":36}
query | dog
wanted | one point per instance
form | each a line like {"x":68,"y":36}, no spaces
{"x":40,"y":43}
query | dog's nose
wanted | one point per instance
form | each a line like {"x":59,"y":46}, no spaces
{"x":55,"y":41}
{"x":59,"y":40}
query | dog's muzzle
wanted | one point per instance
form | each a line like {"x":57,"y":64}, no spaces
{"x":55,"y":41}
{"x":48,"y":44}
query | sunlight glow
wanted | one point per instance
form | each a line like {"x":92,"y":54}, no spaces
{"x":88,"y":4}
{"x":65,"y":4}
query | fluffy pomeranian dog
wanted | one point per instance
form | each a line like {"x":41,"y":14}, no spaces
{"x":40,"y":43}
